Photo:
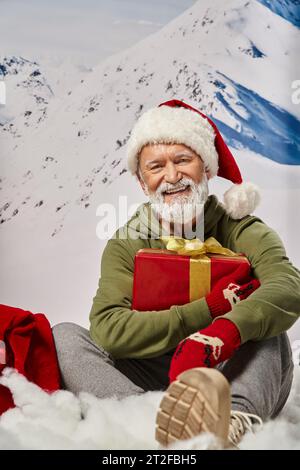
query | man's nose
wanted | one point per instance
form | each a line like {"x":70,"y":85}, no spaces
{"x":172,"y":175}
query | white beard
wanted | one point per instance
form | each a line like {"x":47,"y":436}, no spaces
{"x":184,"y":208}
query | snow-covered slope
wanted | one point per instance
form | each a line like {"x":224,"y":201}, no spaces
{"x":28,"y":94}
{"x":233,"y":59}
{"x":30,"y":87}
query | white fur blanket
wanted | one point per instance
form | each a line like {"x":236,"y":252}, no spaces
{"x":64,"y":421}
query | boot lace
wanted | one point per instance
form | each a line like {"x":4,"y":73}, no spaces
{"x":240,"y":423}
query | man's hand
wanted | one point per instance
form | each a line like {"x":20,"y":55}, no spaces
{"x":230,"y":290}
{"x":205,"y":348}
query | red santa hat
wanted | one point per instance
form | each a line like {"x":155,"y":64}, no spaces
{"x":176,"y":122}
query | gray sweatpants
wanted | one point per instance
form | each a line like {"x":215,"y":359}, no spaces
{"x":260,"y":373}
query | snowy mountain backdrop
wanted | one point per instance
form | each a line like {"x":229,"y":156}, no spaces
{"x":64,"y":130}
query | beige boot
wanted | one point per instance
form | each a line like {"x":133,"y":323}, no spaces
{"x":198,"y":401}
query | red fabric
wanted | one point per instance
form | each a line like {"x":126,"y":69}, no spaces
{"x":227,"y":165}
{"x":195,"y":351}
{"x":30,"y":349}
{"x":236,"y":286}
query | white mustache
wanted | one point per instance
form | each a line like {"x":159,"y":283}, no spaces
{"x":168,"y":187}
{"x":182,"y":208}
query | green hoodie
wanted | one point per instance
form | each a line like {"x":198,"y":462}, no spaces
{"x":124,"y":333}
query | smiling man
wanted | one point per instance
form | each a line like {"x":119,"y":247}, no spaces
{"x":224,"y":360}
{"x":174,"y":178}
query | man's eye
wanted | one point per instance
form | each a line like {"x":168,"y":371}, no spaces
{"x":156,"y":167}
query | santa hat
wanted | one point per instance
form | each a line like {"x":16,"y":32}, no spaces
{"x":176,"y":122}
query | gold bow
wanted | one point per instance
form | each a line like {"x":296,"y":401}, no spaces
{"x":196,"y":247}
{"x":200,"y":264}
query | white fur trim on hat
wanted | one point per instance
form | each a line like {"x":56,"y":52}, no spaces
{"x":167,"y":124}
{"x":241,"y":199}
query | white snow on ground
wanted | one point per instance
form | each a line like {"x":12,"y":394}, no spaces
{"x":64,"y":421}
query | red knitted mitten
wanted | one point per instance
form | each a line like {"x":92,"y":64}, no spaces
{"x":230,"y":290}
{"x":205,"y":348}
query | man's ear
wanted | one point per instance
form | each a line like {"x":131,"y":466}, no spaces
{"x":208,"y":173}
{"x":206,"y":169}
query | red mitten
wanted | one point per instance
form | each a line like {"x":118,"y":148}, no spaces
{"x":230,"y":290}
{"x":205,"y":348}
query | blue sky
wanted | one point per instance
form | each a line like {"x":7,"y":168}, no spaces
{"x":84,"y":31}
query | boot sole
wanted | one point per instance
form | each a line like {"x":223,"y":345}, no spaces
{"x":198,"y":401}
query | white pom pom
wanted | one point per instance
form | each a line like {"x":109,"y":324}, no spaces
{"x":241,"y":199}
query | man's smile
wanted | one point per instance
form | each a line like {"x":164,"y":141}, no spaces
{"x":174,"y":193}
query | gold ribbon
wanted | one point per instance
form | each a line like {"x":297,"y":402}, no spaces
{"x":200,"y":265}
{"x":196,"y":247}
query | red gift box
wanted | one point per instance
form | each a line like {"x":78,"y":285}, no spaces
{"x":163,"y":278}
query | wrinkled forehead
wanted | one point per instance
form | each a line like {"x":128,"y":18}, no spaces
{"x":156,"y":151}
